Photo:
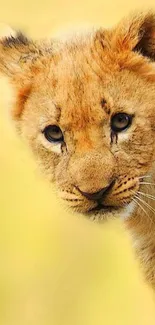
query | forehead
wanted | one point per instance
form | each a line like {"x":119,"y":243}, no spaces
{"x":74,"y":82}
{"x":78,"y":77}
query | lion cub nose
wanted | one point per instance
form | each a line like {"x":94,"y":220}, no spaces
{"x":97,"y":195}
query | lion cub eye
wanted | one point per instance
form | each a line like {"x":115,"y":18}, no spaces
{"x":53,"y":133}
{"x":120,"y":122}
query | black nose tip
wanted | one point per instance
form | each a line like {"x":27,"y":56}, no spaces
{"x":97,"y":195}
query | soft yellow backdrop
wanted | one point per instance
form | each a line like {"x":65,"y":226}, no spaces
{"x":57,"y":268}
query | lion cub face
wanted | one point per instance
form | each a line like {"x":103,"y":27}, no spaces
{"x":86,"y":108}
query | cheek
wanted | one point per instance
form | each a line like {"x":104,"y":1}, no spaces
{"x":45,"y":153}
{"x":141,"y":143}
{"x":135,"y":153}
{"x":46,"y":158}
{"x":47,"y":162}
{"x":62,"y":175}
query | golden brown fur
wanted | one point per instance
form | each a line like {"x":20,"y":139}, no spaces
{"x":79,"y":84}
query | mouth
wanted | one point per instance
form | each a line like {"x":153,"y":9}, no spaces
{"x":100,"y":207}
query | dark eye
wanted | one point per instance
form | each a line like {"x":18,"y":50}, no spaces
{"x":53,"y":133}
{"x":120,"y":122}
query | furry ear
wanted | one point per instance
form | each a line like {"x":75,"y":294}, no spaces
{"x":20,"y":60}
{"x":17,"y":53}
{"x":136,"y":33}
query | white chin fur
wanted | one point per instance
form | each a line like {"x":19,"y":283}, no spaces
{"x":127,"y":212}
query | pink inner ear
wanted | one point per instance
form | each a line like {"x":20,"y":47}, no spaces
{"x":22,"y":97}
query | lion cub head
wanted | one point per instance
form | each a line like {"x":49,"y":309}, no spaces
{"x":86,"y":107}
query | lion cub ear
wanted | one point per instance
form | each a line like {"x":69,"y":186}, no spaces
{"x":18,"y":56}
{"x":136,"y":33}
{"x":17,"y":53}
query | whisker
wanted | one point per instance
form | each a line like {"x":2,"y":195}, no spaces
{"x":149,"y":207}
{"x":146,"y":204}
{"x":140,"y":206}
{"x":69,"y":196}
{"x":147,"y":195}
{"x":147,"y":183}
{"x":141,"y":177}
{"x":135,"y":200}
{"x":75,"y":206}
{"x":73,"y":200}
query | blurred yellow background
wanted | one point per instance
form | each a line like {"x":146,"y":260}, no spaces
{"x":57,"y":268}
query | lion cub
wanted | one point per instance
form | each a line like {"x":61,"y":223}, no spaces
{"x":86,"y":107}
